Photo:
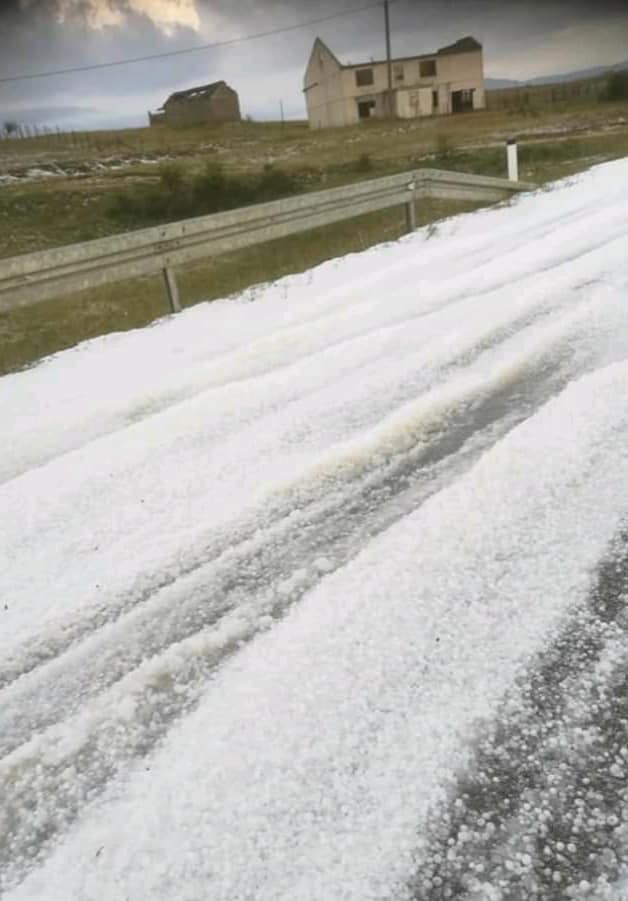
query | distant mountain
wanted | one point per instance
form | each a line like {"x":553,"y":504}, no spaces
{"x":494,"y":84}
{"x":581,"y":74}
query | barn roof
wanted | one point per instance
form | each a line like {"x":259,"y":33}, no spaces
{"x":204,"y":90}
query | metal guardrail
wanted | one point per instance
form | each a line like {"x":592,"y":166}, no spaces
{"x":39,"y":276}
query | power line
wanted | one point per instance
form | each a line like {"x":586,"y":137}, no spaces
{"x":185,"y":50}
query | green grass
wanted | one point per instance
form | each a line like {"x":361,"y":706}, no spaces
{"x":254,"y":162}
{"x":38,"y":215}
{"x":247,"y":144}
{"x":28,"y":333}
{"x":46,"y":214}
{"x":180,"y":193}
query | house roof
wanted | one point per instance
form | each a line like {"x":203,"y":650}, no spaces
{"x":204,"y":90}
{"x":464,"y":45}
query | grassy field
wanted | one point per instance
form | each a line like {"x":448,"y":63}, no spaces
{"x":77,"y":203}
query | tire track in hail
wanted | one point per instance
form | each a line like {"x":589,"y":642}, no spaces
{"x":211,"y":548}
{"x":55,"y":772}
{"x":544,"y":812}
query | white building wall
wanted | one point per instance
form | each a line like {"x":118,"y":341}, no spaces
{"x":458,"y":72}
{"x":412,"y":103}
{"x":333,"y":93}
{"x":324,"y":93}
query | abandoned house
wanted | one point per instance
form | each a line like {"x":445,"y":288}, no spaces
{"x":451,"y":80}
{"x":215,"y":102}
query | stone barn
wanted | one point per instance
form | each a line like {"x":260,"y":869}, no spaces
{"x":208,"y":103}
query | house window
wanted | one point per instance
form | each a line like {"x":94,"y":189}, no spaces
{"x":427,"y":68}
{"x":364,"y":77}
{"x":366,"y":108}
{"x":435,"y":100}
{"x":398,"y":72}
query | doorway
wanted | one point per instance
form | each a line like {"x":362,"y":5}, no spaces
{"x":366,"y":108}
{"x":462,"y":101}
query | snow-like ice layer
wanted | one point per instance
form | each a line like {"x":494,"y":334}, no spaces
{"x":60,"y":169}
{"x":315,"y":753}
{"x":544,"y":244}
{"x":617,"y":892}
{"x":137,"y":464}
{"x":235,"y":399}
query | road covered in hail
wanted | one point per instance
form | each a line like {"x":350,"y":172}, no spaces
{"x":321,"y":592}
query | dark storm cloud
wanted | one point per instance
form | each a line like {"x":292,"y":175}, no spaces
{"x":521,"y":40}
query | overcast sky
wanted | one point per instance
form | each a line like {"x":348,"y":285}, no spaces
{"x":521,"y":40}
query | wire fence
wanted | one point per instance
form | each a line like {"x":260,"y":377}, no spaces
{"x":57,"y":138}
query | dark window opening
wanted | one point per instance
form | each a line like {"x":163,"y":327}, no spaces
{"x":461,"y":101}
{"x":366,"y":109}
{"x":427,"y":68}
{"x":364,"y":77}
{"x":435,"y":100}
{"x":398,"y":72}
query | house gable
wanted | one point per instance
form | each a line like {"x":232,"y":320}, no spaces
{"x":323,"y":63}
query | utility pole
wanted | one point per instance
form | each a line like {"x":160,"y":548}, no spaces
{"x":388,"y":58}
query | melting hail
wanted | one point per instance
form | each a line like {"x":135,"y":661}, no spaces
{"x":166,"y":14}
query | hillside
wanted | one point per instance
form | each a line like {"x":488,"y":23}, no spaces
{"x":494,"y":84}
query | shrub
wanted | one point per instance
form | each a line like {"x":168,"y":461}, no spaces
{"x":274,"y":183}
{"x":548,"y":152}
{"x":179,"y":195}
{"x":617,"y":88}
{"x":364,"y":163}
{"x":443,"y":149}
{"x":211,"y":191}
{"x":172,"y":176}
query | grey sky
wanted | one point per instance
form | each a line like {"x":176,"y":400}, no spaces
{"x":521,"y":40}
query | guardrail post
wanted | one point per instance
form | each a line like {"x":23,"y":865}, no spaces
{"x":172,"y":290}
{"x":34,"y":277}
{"x":513,"y":160}
{"x":411,"y":210}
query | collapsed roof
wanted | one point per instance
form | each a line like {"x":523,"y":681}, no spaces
{"x":204,"y":90}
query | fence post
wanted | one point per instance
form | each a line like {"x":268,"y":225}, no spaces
{"x":513,"y":160}
{"x":172,"y":290}
{"x":411,"y":209}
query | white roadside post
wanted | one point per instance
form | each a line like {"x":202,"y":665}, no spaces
{"x":411,"y":208}
{"x":513,"y":160}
